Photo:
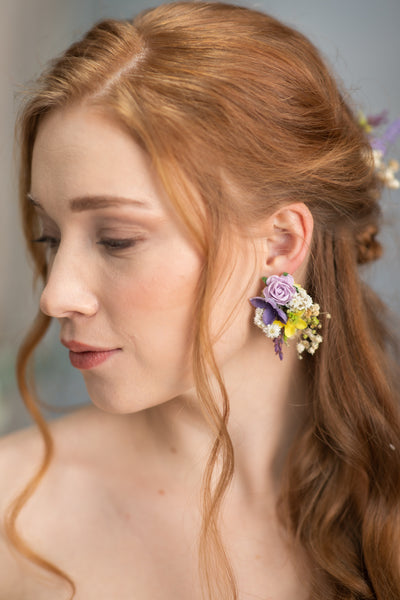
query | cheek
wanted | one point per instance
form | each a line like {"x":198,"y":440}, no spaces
{"x":157,"y":287}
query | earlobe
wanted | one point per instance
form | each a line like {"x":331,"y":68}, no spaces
{"x":289,"y":239}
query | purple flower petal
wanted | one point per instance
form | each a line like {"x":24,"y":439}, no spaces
{"x":379,"y":119}
{"x":281,"y":315}
{"x":392,"y":132}
{"x":258,"y":302}
{"x":273,"y":313}
{"x":280,"y":288}
{"x":388,"y":138}
{"x":378,"y":144}
{"x":269,"y":314}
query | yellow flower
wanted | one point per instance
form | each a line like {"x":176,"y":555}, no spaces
{"x":279,"y":323}
{"x":363,"y":121}
{"x":294,"y":322}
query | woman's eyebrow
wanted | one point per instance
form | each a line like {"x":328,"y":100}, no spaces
{"x":96,"y":202}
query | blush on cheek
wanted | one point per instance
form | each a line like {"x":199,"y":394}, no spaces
{"x":163,"y":288}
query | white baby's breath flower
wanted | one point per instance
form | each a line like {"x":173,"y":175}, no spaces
{"x":314,"y":309}
{"x":295,"y":303}
{"x":386,"y":171}
{"x":378,"y":158}
{"x":258,"y":319}
{"x":390,"y":180}
{"x":273,"y":330}
{"x":307,"y":300}
{"x":300,"y":301}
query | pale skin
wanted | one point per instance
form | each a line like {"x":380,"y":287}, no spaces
{"x":119,"y":508}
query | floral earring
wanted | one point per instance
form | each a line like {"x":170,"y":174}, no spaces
{"x":283,"y":310}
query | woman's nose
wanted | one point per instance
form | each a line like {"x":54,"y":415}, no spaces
{"x":68,"y":290}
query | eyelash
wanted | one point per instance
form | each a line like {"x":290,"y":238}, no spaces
{"x":109,"y":243}
{"x":117,"y":244}
{"x":46,"y":239}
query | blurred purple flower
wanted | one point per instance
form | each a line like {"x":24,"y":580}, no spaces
{"x":379,"y":119}
{"x":388,"y":138}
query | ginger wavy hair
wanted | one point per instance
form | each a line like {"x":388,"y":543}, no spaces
{"x":216,"y":93}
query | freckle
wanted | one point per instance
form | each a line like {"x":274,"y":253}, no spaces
{"x":173,"y":450}
{"x":258,"y":557}
{"x":161,"y":492}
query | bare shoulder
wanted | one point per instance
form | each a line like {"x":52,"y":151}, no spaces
{"x":78,"y":439}
{"x":21,"y":452}
{"x":66,"y":480}
{"x":87,"y":446}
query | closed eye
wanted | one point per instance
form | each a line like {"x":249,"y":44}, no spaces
{"x":50,"y":241}
{"x":108,"y":243}
{"x":117,"y":244}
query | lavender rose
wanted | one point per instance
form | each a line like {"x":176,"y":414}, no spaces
{"x":280,"y":288}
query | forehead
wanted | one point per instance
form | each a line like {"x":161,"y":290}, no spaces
{"x":81,"y":151}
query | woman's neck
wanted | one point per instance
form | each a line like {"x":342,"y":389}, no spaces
{"x":267,"y":405}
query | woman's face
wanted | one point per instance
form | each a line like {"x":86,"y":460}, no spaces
{"x":122,"y":270}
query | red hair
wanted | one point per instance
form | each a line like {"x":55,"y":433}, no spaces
{"x":217,"y":93}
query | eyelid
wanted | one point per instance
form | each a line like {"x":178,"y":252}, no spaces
{"x":118,"y":243}
{"x":111,"y":244}
{"x":46,"y":239}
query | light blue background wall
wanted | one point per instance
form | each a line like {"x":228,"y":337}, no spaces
{"x":360,"y":39}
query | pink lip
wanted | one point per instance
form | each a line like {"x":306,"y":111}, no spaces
{"x":83,"y":356}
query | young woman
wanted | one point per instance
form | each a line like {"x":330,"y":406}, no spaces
{"x":197,"y":197}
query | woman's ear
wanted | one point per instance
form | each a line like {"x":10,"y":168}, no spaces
{"x":288,"y":239}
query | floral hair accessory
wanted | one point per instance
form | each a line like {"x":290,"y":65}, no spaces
{"x":283,"y":310}
{"x":385,"y":168}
